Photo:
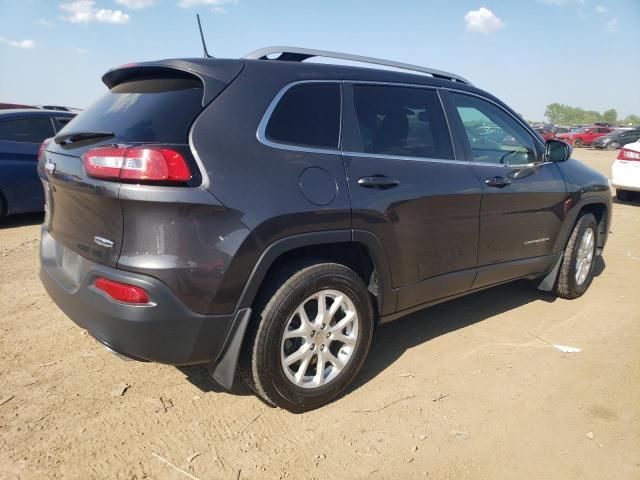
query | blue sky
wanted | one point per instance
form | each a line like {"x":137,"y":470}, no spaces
{"x":527,"y":52}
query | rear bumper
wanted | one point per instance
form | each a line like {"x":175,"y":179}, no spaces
{"x":162,"y":331}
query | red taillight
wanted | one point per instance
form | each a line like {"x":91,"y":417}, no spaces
{"x":626,"y":154}
{"x":121,"y":291}
{"x":153,"y":164}
{"x":43,"y":146}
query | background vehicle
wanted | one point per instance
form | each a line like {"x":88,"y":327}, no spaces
{"x":546,"y":134}
{"x":21,"y":134}
{"x":616,"y":139}
{"x":304,"y":203}
{"x":558,"y":129}
{"x":625,"y":172}
{"x":584,"y":136}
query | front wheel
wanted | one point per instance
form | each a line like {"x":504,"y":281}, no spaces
{"x":312,"y":338}
{"x":576,"y":271}
{"x":578,"y":143}
{"x":614,"y":146}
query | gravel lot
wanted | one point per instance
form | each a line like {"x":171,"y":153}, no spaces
{"x":468,"y":389}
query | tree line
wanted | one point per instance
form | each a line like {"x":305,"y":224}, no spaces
{"x":560,"y":114}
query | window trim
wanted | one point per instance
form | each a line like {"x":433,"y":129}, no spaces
{"x":29,"y":117}
{"x":262,"y":126}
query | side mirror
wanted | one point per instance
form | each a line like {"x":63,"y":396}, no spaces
{"x":557,"y":151}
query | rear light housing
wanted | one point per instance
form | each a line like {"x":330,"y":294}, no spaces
{"x":122,"y":291}
{"x":142,"y":163}
{"x":43,"y":146}
{"x":626,"y":154}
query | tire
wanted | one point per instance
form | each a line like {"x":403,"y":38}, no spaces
{"x":614,"y":146}
{"x":623,"y":195}
{"x":267,"y":352}
{"x":571,"y":282}
{"x":578,"y":143}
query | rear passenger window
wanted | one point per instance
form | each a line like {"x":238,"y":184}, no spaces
{"x":401,"y":121}
{"x":307,"y":115}
{"x":26,"y":130}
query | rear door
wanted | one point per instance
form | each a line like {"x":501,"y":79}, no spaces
{"x":20,"y":139}
{"x":408,"y":188}
{"x":523,"y":197}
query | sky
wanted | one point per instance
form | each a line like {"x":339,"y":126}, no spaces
{"x":529,"y":53}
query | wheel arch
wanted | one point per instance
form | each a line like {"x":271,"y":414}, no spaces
{"x":357,"y":249}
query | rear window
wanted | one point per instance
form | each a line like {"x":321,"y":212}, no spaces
{"x":149,"y":110}
{"x":26,"y":130}
{"x":307,"y":115}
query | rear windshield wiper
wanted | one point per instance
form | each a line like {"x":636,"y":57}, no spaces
{"x":79,"y":136}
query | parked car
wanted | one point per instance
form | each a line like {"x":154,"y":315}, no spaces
{"x":545,"y":133}
{"x":584,"y":136}
{"x":266,"y":213}
{"x":560,"y":129}
{"x":616,"y":139}
{"x":625,"y":172}
{"x":21,"y":134}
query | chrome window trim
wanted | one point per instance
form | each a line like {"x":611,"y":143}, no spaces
{"x":262,"y":126}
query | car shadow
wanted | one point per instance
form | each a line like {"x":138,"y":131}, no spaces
{"x":21,"y":220}
{"x":393,"y":339}
{"x":634,"y":202}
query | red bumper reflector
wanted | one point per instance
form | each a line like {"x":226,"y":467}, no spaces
{"x":122,"y":292}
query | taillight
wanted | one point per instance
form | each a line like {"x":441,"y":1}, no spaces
{"x":155,"y":164}
{"x":626,"y":154}
{"x":43,"y":146}
{"x":122,"y":291}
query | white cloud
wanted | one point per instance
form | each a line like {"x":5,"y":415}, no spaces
{"x":601,"y":9}
{"x":82,"y":51}
{"x":85,"y":11}
{"x":217,"y":5}
{"x":44,"y":22}
{"x":136,"y":4}
{"x":18,"y":43}
{"x":612,"y":25}
{"x":482,"y":20}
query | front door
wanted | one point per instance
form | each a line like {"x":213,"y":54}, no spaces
{"x":523,"y":196}
{"x":409,"y":190}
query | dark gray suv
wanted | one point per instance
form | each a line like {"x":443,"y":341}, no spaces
{"x":262,"y":215}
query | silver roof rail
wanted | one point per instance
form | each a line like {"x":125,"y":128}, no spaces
{"x":296,"y":54}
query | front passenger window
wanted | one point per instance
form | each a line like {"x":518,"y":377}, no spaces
{"x":494,"y":136}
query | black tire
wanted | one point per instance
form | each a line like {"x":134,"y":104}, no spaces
{"x":261,"y":366}
{"x":614,"y":146}
{"x":567,"y":286}
{"x":623,"y":195}
{"x":578,"y":143}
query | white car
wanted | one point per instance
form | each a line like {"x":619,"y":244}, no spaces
{"x":625,"y":172}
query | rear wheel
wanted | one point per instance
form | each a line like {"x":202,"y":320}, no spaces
{"x":311,"y":339}
{"x":576,"y":271}
{"x":578,"y":142}
{"x":614,"y":145}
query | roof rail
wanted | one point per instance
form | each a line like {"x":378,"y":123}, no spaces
{"x":296,"y":54}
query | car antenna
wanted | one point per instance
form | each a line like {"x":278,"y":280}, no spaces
{"x":204,"y":44}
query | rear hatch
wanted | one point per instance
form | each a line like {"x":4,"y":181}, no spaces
{"x":150,"y":104}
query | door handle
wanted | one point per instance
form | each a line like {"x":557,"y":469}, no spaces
{"x":377,"y":181}
{"x":498,"y":182}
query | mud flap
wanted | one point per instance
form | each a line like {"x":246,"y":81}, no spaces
{"x":224,"y":371}
{"x":548,"y":282}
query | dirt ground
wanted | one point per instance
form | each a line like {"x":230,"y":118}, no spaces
{"x":471,"y":389}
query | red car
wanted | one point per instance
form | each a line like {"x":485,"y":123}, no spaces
{"x":545,"y":133}
{"x":584,"y":136}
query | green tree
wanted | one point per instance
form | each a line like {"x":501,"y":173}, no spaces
{"x":632,"y":119}
{"x":610,"y":116}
